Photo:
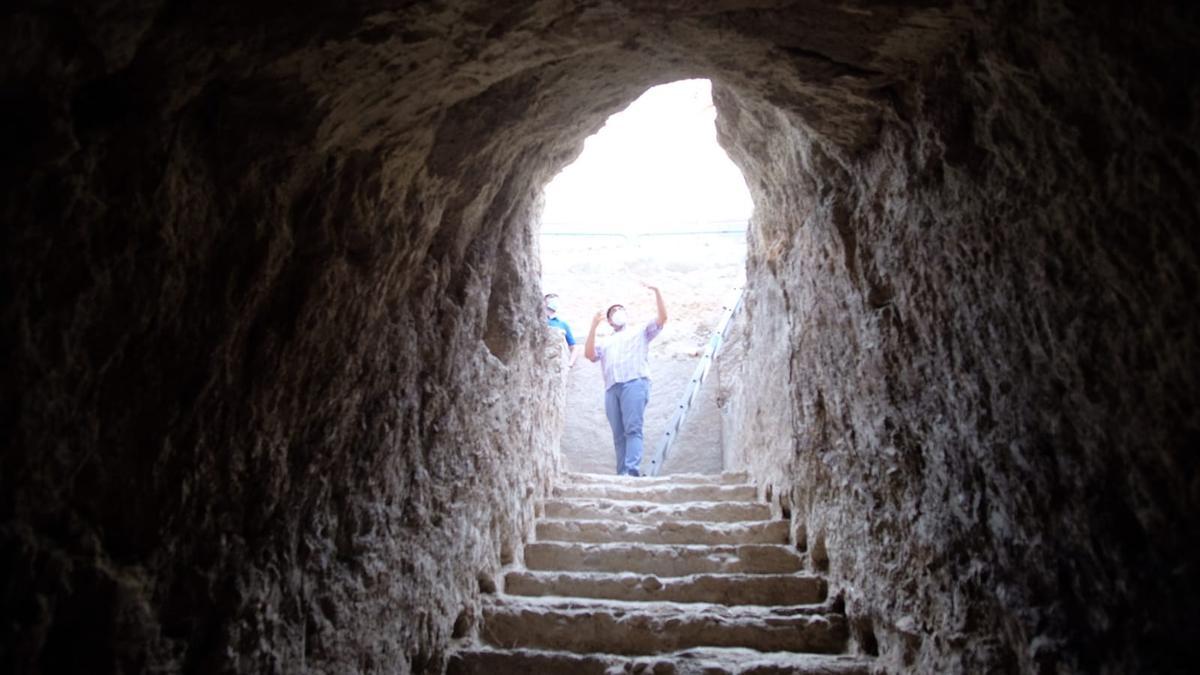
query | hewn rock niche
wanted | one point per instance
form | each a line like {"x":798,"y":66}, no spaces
{"x":278,"y":394}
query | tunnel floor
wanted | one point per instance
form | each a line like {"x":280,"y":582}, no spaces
{"x":682,"y":574}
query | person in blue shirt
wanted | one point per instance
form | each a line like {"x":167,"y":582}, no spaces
{"x":557,"y":323}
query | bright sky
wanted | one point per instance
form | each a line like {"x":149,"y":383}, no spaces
{"x":654,"y":166}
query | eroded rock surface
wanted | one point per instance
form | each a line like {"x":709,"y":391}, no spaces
{"x":277,"y":394}
{"x":662,"y":560}
{"x":968,"y":357}
{"x":605,"y":607}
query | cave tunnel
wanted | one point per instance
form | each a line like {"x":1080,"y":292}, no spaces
{"x":276,"y":393}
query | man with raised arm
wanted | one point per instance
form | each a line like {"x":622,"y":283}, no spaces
{"x":624,"y":361}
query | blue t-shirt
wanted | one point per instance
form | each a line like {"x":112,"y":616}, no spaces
{"x":558,"y":323}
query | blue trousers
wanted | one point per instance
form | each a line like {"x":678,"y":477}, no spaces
{"x":625,"y":405}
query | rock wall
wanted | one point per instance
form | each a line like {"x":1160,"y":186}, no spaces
{"x":278,"y":391}
{"x":277,"y":396}
{"x":989,"y":328}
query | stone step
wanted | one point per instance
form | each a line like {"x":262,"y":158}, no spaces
{"x":614,"y":627}
{"x":707,"y":660}
{"x":670,"y":560}
{"x":674,"y":479}
{"x":650,"y":512}
{"x":725,"y":589}
{"x":662,"y":494}
{"x":685,"y":532}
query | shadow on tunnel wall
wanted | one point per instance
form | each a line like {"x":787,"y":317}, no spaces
{"x":278,"y":397}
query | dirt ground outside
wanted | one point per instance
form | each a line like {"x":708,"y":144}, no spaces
{"x":698,"y":274}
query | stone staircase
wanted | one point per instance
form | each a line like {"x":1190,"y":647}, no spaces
{"x":681,"y":574}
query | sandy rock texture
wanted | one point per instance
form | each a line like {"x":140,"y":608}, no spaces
{"x":279,"y":397}
{"x":704,"y":661}
{"x":979,"y":400}
{"x":615,"y":627}
{"x":275,"y":395}
{"x":750,"y":589}
{"x":567,"y":603}
{"x":677,"y":560}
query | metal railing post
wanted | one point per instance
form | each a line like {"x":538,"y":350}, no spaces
{"x":689,"y":394}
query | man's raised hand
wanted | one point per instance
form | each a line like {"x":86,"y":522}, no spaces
{"x":658,"y":300}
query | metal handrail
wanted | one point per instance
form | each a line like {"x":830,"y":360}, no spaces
{"x":689,"y":394}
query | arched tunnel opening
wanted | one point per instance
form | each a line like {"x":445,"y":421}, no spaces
{"x":652,"y":199}
{"x":276,"y":395}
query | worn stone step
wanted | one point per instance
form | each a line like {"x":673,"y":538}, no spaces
{"x":725,"y":589}
{"x":685,"y":532}
{"x":484,"y":660}
{"x":674,"y":479}
{"x":671,"y":560}
{"x":615,"y":627}
{"x":662,"y":494}
{"x":650,"y":512}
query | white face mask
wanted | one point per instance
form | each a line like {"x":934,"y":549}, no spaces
{"x":552,"y":304}
{"x":618,"y":318}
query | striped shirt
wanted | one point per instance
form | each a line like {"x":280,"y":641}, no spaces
{"x":624,"y":355}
